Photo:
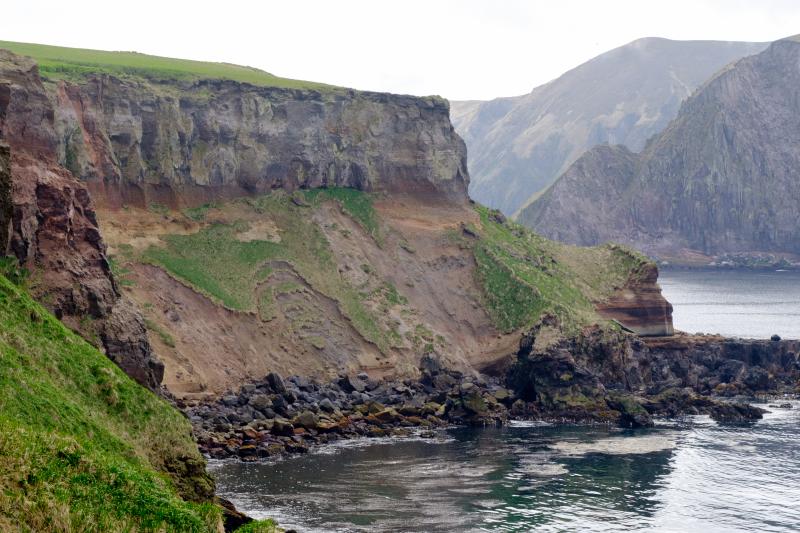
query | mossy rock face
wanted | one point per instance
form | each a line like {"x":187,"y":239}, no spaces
{"x":474,"y":402}
{"x":632,"y":413}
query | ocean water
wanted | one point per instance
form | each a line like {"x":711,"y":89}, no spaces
{"x":737,"y":303}
{"x":683,"y":476}
{"x":691,"y":475}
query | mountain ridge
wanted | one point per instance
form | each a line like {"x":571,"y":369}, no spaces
{"x":519,"y":145}
{"x":725,"y":162}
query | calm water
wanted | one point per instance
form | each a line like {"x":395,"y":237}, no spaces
{"x":689,"y":476}
{"x":737,"y":303}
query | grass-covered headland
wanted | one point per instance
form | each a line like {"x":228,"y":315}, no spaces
{"x":62,"y":62}
{"x":82,"y":446}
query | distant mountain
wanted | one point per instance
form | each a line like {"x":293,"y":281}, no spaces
{"x":518,"y":146}
{"x":724,"y":176}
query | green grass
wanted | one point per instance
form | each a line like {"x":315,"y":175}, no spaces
{"x":83,"y":447}
{"x":259,"y":526}
{"x":216,"y":263}
{"x":198,"y":214}
{"x":62,"y":62}
{"x":165,"y":337}
{"x":525,"y":276}
{"x":355,"y":203}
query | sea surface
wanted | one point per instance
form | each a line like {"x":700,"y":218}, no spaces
{"x":690,"y":475}
{"x":736,"y":303}
{"x":683,"y":476}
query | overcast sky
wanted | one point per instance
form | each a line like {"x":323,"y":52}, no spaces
{"x":460,"y":49}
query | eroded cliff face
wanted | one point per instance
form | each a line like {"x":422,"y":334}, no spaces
{"x":138,"y":142}
{"x":639,"y":305}
{"x":53,"y":229}
{"x":6,"y":204}
{"x":721,"y":178}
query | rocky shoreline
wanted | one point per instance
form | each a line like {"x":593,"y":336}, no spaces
{"x":276,"y":416}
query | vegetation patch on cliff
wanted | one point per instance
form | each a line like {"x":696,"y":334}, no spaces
{"x":62,"y":62}
{"x":355,"y":203}
{"x":83,"y":447}
{"x":524,"y":275}
{"x":231,"y":269}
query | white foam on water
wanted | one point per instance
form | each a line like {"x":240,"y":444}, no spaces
{"x":617,"y":445}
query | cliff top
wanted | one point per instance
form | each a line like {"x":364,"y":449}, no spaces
{"x":63,"y":62}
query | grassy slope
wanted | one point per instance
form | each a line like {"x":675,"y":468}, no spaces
{"x":525,"y":276}
{"x":522,"y":275}
{"x":62,"y":62}
{"x":83,"y":447}
{"x":227,"y":269}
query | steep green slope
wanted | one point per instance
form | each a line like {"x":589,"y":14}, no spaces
{"x":83,"y":447}
{"x":525,"y":276}
{"x":63,"y":62}
{"x":225,"y":262}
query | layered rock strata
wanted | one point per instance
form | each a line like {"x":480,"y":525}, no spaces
{"x":53,"y":228}
{"x":138,"y":142}
{"x":639,"y":306}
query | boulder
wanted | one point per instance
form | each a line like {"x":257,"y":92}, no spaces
{"x":275,"y":383}
{"x":352,"y":384}
{"x":282,"y":427}
{"x":306,"y":419}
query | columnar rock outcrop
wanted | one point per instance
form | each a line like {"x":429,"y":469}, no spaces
{"x":179,"y":143}
{"x":53,"y":230}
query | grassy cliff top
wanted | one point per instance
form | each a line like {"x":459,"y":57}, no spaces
{"x":83,"y":447}
{"x":525,"y":276}
{"x":62,"y":62}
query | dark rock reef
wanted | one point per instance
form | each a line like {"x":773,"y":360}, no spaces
{"x":602,"y":375}
{"x":721,"y":178}
{"x":53,"y":229}
{"x":276,"y":416}
{"x":599,"y":376}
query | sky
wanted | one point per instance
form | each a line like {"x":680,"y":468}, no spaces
{"x":459,"y":49}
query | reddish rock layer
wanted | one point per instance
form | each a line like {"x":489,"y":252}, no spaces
{"x":53,"y":229}
{"x":639,"y":305}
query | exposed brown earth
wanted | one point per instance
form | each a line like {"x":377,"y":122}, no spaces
{"x":214,"y":348}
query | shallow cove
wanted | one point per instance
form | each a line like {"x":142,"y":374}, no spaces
{"x":682,"y":476}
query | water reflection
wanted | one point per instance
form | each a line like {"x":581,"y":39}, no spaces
{"x":511,"y":479}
